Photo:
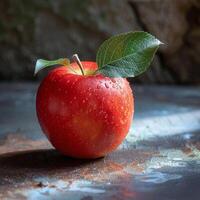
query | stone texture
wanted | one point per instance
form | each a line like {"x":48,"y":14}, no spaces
{"x":52,"y":29}
{"x":177,"y":24}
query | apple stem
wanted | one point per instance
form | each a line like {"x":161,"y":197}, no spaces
{"x":77,"y":60}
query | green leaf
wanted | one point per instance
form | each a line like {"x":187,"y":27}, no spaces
{"x":41,"y":64}
{"x":126,"y":55}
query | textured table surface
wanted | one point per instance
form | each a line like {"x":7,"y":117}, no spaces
{"x":160,"y":158}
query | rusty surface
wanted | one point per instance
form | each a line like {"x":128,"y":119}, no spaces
{"x":160,"y":158}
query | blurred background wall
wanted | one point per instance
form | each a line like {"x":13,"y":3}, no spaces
{"x":31,"y":29}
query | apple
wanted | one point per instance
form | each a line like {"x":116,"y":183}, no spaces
{"x":84,"y":116}
{"x":86,"y":108}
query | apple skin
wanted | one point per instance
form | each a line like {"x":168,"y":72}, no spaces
{"x":84,"y":116}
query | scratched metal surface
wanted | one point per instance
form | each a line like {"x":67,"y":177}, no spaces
{"x":160,"y":158}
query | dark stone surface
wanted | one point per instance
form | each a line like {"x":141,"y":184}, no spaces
{"x":160,"y":158}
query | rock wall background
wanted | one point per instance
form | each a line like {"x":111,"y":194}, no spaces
{"x":51,"y":29}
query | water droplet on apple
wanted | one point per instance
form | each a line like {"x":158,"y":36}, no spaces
{"x":90,"y":110}
{"x":83,"y":101}
{"x":98,"y":86}
{"x":113,"y":80}
{"x":122,"y":121}
{"x":106,"y":85}
{"x":120,"y":84}
{"x":75,"y":98}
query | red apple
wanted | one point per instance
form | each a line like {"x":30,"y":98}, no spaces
{"x":84,"y":116}
{"x":83,"y":110}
